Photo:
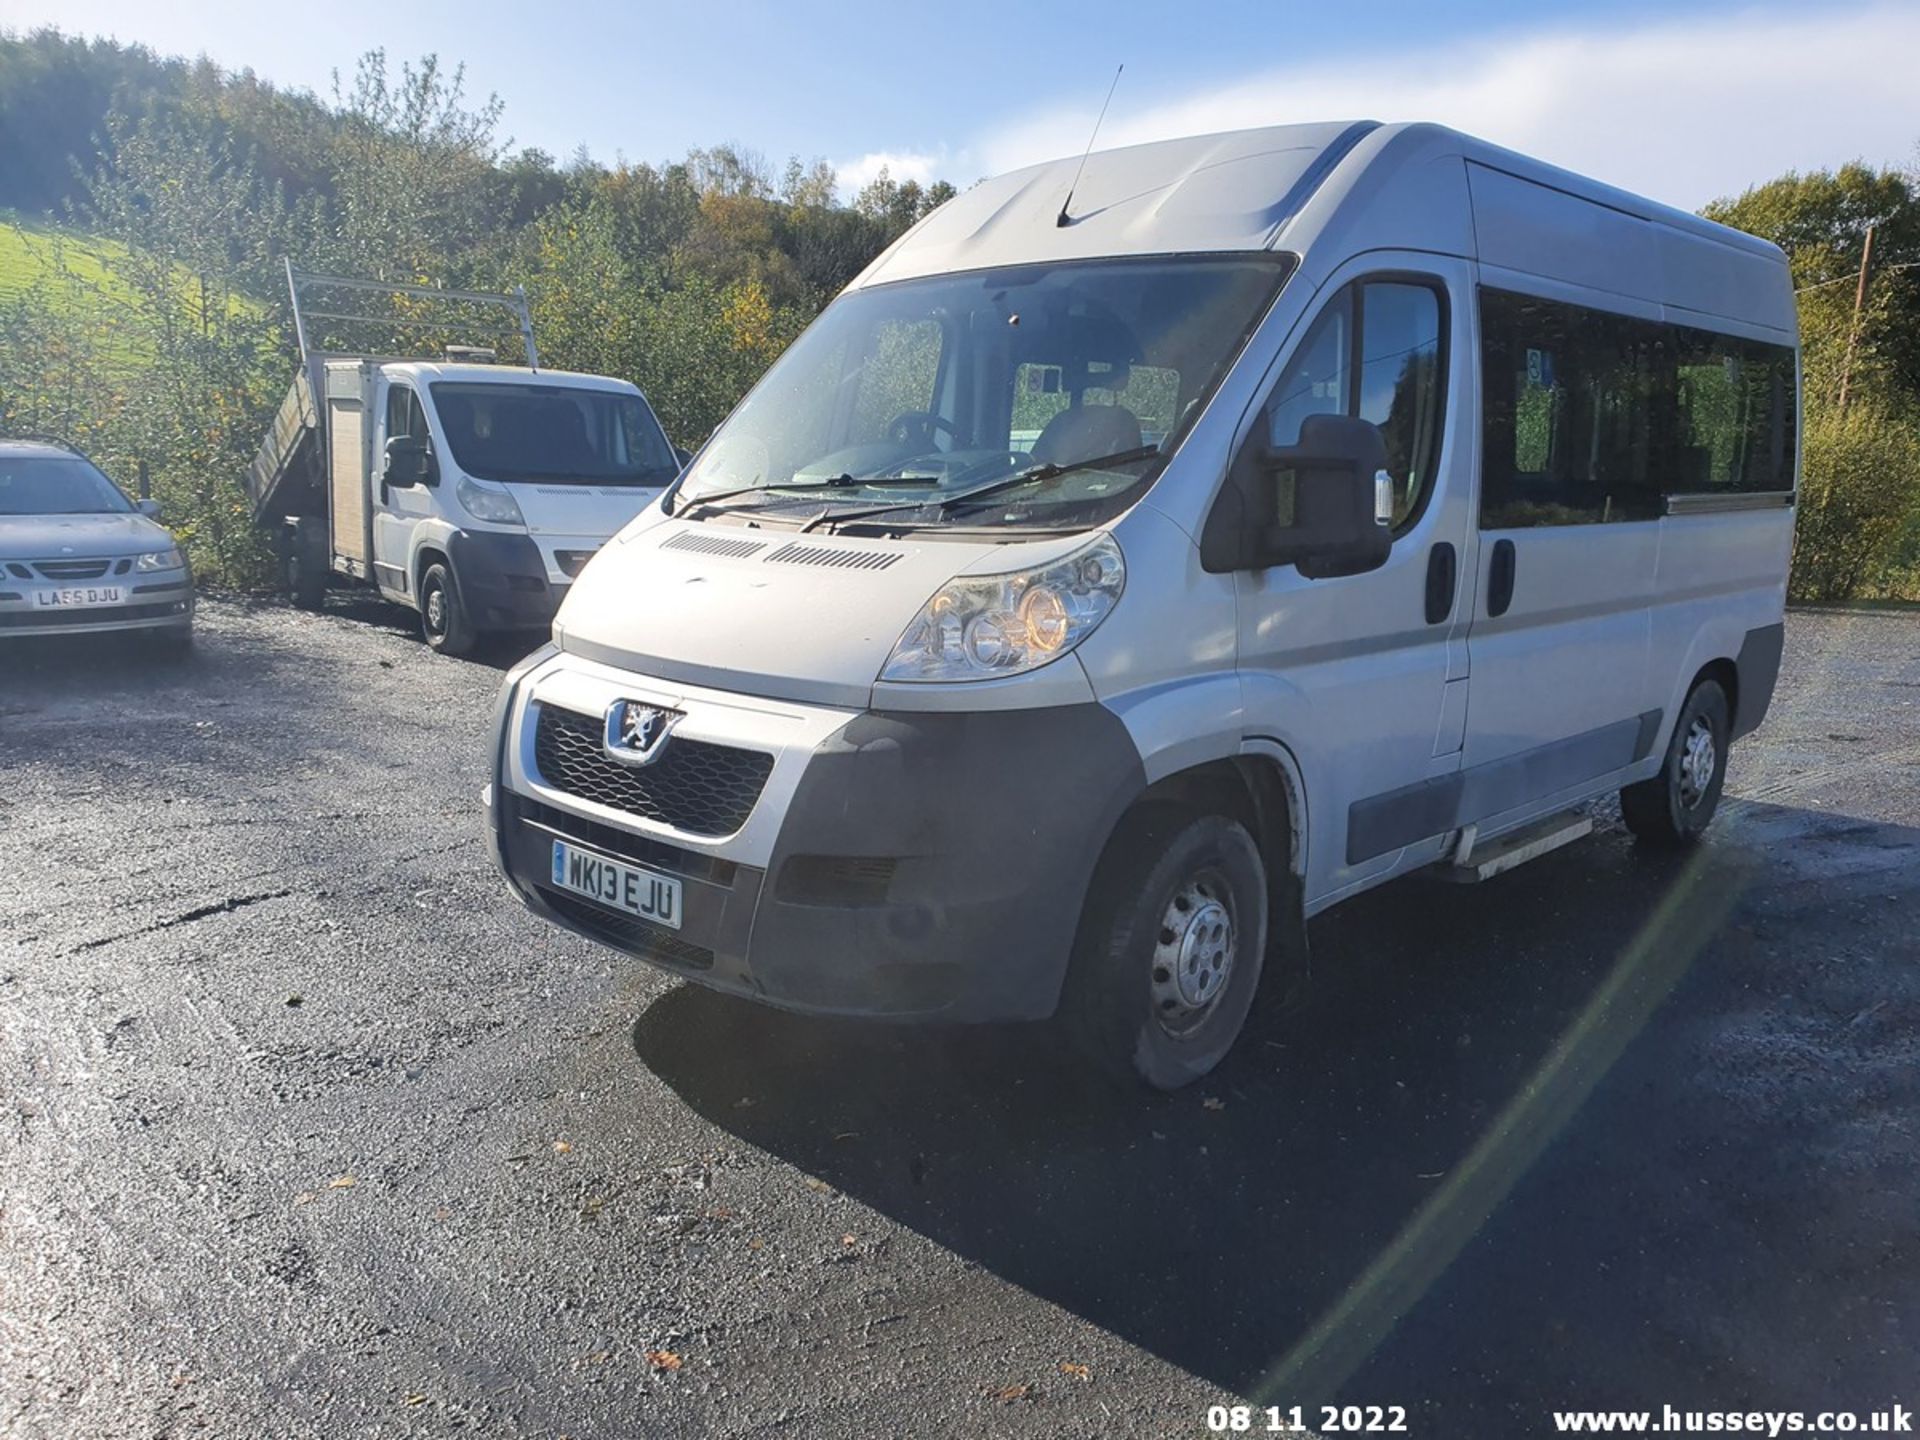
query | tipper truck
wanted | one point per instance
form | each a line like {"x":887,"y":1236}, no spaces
{"x":472,"y":492}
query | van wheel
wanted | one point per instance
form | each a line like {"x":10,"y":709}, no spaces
{"x":442,"y":618}
{"x":305,"y":567}
{"x":1170,"y":946}
{"x":1673,"y":807}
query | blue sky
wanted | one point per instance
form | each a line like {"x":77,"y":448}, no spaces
{"x":1682,"y":101}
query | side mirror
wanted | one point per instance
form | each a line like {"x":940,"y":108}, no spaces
{"x":1341,"y":516}
{"x":148,"y":508}
{"x":409,"y":461}
{"x":685,"y":457}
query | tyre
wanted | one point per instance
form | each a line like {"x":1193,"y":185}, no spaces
{"x":443,"y":620}
{"x":1170,"y":946}
{"x":1672,"y":808}
{"x":305,"y":567}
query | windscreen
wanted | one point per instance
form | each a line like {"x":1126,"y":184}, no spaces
{"x":555,"y":434}
{"x":57,"y":485}
{"x":1082,"y":376}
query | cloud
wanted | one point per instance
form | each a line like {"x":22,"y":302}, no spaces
{"x":1680,"y":110}
{"x":901,"y":165}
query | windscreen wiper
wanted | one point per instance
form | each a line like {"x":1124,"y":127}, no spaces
{"x":826,"y":484}
{"x":944,"y":503}
{"x":831,"y":482}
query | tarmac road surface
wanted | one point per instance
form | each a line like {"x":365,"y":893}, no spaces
{"x":307,"y":1129}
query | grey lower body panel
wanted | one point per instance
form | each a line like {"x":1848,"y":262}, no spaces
{"x":1758,"y":668}
{"x":1384,"y":823}
{"x":502,"y":580}
{"x":929,"y":866}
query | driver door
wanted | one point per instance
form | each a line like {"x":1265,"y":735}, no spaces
{"x":1364,"y":675}
{"x":398,"y":509}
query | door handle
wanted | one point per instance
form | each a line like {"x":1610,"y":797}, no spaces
{"x":1500,"y":578}
{"x":1442,"y":568}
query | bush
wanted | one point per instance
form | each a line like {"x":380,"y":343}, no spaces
{"x":1859,"y":521}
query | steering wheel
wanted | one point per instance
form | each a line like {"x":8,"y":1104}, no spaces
{"x":915,"y":428}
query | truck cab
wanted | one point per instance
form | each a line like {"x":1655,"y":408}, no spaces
{"x":471,"y":492}
{"x":494,"y":487}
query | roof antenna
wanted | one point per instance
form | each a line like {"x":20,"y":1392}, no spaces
{"x":1064,"y":218}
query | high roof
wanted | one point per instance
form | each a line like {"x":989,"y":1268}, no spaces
{"x":1330,"y":192}
{"x":1201,"y":193}
{"x":1241,"y":190}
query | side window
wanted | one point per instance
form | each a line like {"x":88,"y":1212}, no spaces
{"x":1395,"y":328}
{"x":1571,"y":400}
{"x":1400,"y":384}
{"x":1318,"y":378}
{"x":1734,"y":430}
{"x":1593,"y":417}
{"x":404,"y":416}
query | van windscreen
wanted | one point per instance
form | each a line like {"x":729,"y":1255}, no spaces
{"x":554,"y":434}
{"x":923,"y":391}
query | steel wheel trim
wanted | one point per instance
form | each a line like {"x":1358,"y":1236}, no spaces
{"x":436,"y":610}
{"x":1699,"y":759}
{"x":1193,"y":953}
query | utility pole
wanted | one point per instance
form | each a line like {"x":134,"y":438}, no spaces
{"x":1859,"y":304}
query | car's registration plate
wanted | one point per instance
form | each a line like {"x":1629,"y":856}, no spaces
{"x":80,"y":595}
{"x":651,"y":896}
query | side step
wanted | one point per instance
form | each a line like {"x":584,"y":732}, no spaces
{"x":1515,"y":848}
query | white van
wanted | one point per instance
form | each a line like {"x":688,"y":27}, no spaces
{"x":469,"y":491}
{"x":1387,"y":495}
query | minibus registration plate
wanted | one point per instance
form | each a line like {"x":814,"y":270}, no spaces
{"x":651,"y":896}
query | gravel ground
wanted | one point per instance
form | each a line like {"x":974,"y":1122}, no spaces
{"x":307,"y":1129}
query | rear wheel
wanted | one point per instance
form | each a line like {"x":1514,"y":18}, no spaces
{"x":443,"y":620}
{"x":1673,"y":807}
{"x":1170,"y":946}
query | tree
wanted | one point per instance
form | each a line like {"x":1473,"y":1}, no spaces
{"x":1858,"y":529}
{"x":1821,"y":221}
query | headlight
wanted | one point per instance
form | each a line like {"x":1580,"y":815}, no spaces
{"x":979,"y":627}
{"x":483,"y":502}
{"x":168,"y":559}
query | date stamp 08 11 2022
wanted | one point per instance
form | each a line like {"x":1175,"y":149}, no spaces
{"x":1332,"y":1419}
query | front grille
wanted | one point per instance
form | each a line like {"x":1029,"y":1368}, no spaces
{"x":90,"y":615}
{"x":627,"y":933}
{"x":695,"y":786}
{"x":77,"y":569}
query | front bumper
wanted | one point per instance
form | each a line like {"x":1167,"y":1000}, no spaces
{"x":896,"y":865}
{"x":163,"y":601}
{"x":502,"y":579}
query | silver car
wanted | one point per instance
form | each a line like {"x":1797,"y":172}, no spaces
{"x":77,"y":555}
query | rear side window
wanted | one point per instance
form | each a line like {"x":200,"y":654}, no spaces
{"x":1735,"y":416}
{"x":1591,"y":416}
{"x":1376,"y":352}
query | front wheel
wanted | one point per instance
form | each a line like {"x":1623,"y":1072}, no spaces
{"x":1672,"y":808}
{"x":1170,"y":946}
{"x":443,"y":620}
